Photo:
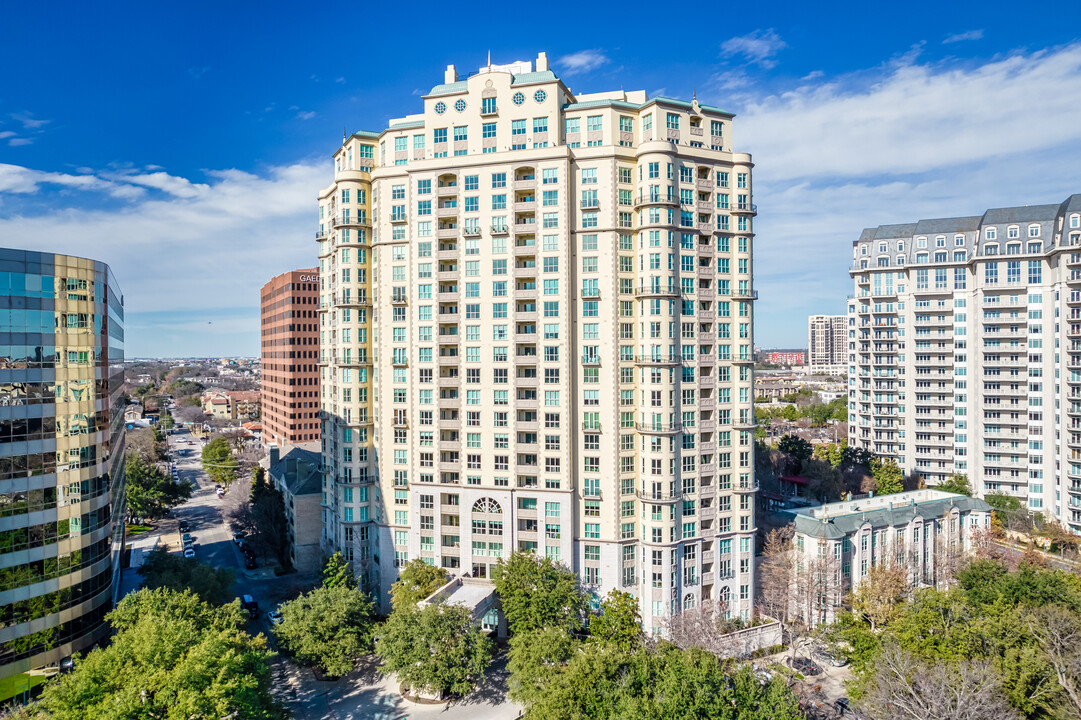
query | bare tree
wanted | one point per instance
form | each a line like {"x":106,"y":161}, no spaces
{"x":906,"y":688}
{"x":880,"y":592}
{"x":817,"y":586}
{"x":776,"y":571}
{"x":705,"y":626}
{"x":1059,"y":632}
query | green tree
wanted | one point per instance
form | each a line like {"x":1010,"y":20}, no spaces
{"x":218,"y":461}
{"x":173,"y":657}
{"x":956,"y":483}
{"x":437,"y":649}
{"x":888,"y":476}
{"x":150,"y":493}
{"x":534,"y":658}
{"x":338,"y":572}
{"x":416,"y":581}
{"x":795,"y":446}
{"x":538,"y":593}
{"x":619,"y":623}
{"x":329,"y":627}
{"x":259,"y":485}
{"x":163,"y":569}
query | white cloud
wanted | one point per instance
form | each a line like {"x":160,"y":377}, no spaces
{"x":4,"y":135}
{"x":919,"y":118}
{"x":17,"y":141}
{"x":898,"y":143}
{"x":29,"y":122}
{"x":170,"y":184}
{"x":963,"y":36}
{"x":306,"y":114}
{"x":581,"y":62}
{"x":198,"y":72}
{"x":756,"y":47}
{"x":206,"y":252}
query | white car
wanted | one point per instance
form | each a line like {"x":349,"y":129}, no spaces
{"x":274,"y":617}
{"x":189,"y":552}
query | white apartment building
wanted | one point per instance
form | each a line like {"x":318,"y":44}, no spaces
{"x":536,"y":333}
{"x":827,"y":344}
{"x":965,"y":351}
{"x":925,"y":532}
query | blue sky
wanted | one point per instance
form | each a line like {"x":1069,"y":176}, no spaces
{"x":185,"y":143}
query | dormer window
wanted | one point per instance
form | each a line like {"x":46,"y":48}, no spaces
{"x":921,"y":242}
{"x":1034,"y":230}
{"x":901,"y":260}
{"x":1013,"y":249}
{"x":958,"y":240}
{"x":1075,"y":221}
{"x":900,"y":246}
{"x":991,"y":249}
{"x":940,"y":241}
{"x":1034,"y":247}
{"x":883,"y":247}
{"x":990,"y":233}
{"x":863,"y":249}
{"x":1013,"y":232}
{"x":921,"y":258}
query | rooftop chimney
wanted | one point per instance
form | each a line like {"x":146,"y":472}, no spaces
{"x":542,"y":62}
{"x":451,"y":75}
{"x":273,"y":454}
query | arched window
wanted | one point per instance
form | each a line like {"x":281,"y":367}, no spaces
{"x":487,"y":505}
{"x":688,"y":602}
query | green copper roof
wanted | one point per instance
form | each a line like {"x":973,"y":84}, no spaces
{"x":447,"y":88}
{"x":534,"y":77}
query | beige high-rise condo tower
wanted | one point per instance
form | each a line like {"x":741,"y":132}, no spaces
{"x":827,"y":344}
{"x":536,"y":330}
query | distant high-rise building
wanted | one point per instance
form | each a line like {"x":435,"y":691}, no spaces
{"x":289,"y":334}
{"x":965,"y":351}
{"x":61,"y":458}
{"x":538,"y":322}
{"x":827,"y":344}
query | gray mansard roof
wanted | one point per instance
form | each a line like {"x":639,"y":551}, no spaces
{"x":835,"y":527}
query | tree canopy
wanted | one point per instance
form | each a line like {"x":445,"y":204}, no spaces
{"x":956,"y":483}
{"x":329,"y":627}
{"x":538,"y":593}
{"x":163,"y":569}
{"x":173,"y":657}
{"x":338,"y":572}
{"x":437,"y":649}
{"x":218,"y":461}
{"x":150,"y":492}
{"x":1016,"y":631}
{"x":669,"y":683}
{"x":618,"y":623}
{"x":416,"y":581}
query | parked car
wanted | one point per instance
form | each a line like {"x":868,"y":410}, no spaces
{"x":274,"y":617}
{"x":803,"y":665}
{"x":183,"y":526}
{"x":221,"y":493}
{"x":238,"y":538}
{"x":247,"y":602}
{"x":189,"y":552}
{"x":249,"y":563}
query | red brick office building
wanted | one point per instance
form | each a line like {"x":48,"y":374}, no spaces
{"x":289,"y":319}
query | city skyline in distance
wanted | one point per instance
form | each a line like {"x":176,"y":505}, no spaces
{"x":194,"y":171}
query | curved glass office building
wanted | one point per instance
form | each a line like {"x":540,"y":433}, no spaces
{"x":61,"y":457}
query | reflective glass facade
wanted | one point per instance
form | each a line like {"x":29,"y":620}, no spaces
{"x":61,"y":455}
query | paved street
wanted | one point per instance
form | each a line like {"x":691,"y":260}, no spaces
{"x":363,"y":693}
